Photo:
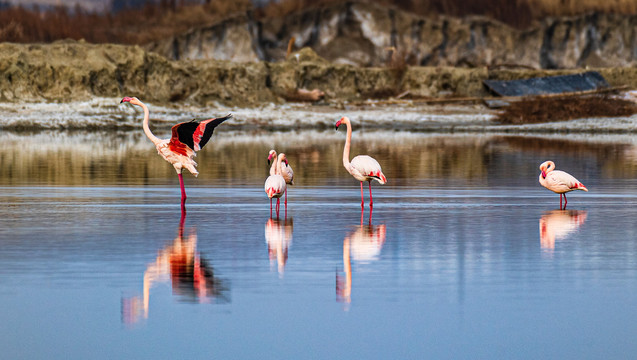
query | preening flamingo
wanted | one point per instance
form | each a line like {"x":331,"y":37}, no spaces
{"x":286,"y":171}
{"x":187,"y":138}
{"x":275,"y":183}
{"x":362,"y":167}
{"x":559,"y":181}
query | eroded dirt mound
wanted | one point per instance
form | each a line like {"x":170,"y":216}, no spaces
{"x":542,"y":110}
{"x":71,"y":71}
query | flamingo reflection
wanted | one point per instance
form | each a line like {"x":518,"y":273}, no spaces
{"x":557,"y":224}
{"x":363,"y":245}
{"x":190,"y":275}
{"x":278,"y":236}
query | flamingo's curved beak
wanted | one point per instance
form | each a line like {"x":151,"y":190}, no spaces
{"x":543,"y":174}
{"x":126,"y":99}
{"x":269,"y":159}
{"x":338,"y":123}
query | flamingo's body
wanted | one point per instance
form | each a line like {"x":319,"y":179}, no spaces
{"x":362,"y":167}
{"x":286,"y":170}
{"x":275,"y":185}
{"x":558,"y":181}
{"x":187,"y":138}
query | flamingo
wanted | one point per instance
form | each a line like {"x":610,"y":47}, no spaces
{"x":275,"y":183}
{"x":286,"y":172}
{"x":558,"y":181}
{"x":187,"y":138}
{"x":362,"y":167}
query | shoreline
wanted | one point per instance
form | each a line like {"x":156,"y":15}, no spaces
{"x":108,"y":114}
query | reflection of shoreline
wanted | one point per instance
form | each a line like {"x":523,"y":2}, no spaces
{"x":106,"y":158}
{"x":558,"y":224}
{"x":278,"y":237}
{"x":181,"y":265}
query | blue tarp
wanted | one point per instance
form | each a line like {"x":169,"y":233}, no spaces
{"x":591,"y":80}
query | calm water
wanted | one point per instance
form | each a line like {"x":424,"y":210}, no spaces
{"x":464,"y":255}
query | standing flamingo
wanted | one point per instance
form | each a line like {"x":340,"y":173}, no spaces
{"x":286,"y":171}
{"x":275,"y":183}
{"x":186,"y":139}
{"x":559,"y":181}
{"x":362,"y":167}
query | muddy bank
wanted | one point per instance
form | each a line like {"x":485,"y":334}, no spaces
{"x":76,"y":71}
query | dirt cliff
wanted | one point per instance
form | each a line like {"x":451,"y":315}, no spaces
{"x":69,"y":71}
{"x":361,"y":33}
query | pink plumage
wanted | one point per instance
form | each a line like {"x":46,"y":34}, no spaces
{"x":187,"y":138}
{"x":275,"y":185}
{"x":362,"y":167}
{"x":285,"y":169}
{"x":558,"y":181}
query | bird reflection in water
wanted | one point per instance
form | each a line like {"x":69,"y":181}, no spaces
{"x":363,"y":245}
{"x":191,"y":276}
{"x":278,"y":237}
{"x":557,"y":224}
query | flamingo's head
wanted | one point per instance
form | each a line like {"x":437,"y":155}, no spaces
{"x":132,"y":100}
{"x":544,"y":168}
{"x":284,"y":159}
{"x":342,"y":120}
{"x":271,"y":155}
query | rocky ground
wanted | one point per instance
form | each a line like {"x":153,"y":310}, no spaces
{"x":78,"y":85}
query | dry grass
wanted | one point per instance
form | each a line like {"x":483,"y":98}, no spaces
{"x":542,"y":8}
{"x":542,"y":110}
{"x":153,"y":22}
{"x":133,"y":26}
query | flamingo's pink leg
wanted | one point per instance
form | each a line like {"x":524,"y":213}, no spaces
{"x":362,"y":199}
{"x":565,"y":201}
{"x":286,"y":198}
{"x":371,"y":201}
{"x":183,"y":193}
{"x":560,"y":201}
{"x":270,"y":207}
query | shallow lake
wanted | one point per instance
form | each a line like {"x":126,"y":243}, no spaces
{"x":465,"y":255}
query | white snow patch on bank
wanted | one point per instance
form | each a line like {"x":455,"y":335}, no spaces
{"x":108,"y":113}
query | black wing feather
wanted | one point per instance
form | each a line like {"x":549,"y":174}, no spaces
{"x":186,"y":130}
{"x":210,"y":128}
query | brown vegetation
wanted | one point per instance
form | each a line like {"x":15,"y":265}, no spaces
{"x":132,"y":26}
{"x":542,"y":110}
{"x":166,"y":18}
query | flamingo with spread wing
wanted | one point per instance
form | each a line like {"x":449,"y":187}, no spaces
{"x":187,"y":138}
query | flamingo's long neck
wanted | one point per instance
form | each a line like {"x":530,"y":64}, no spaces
{"x":147,"y":131}
{"x":348,"y":142}
{"x":551,"y":167}
{"x":278,"y":164}
{"x":274,"y":165}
